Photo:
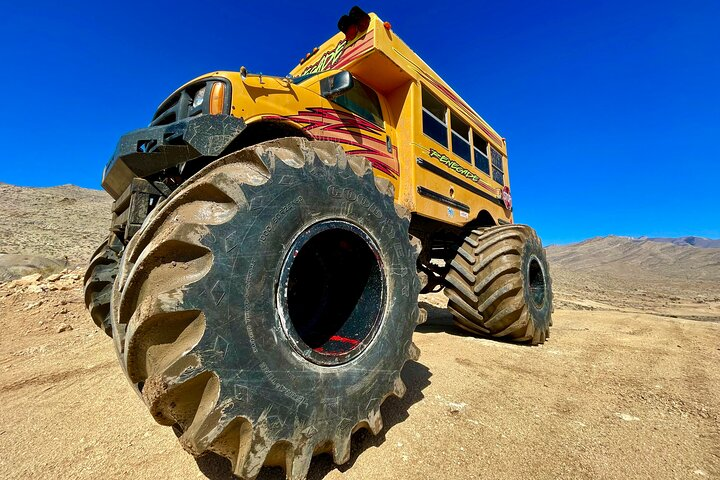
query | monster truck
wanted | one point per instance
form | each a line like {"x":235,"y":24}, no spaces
{"x":270,"y":237}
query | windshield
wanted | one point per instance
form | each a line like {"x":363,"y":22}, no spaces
{"x":302,"y":78}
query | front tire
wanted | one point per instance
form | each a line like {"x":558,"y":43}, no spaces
{"x":267,"y":307}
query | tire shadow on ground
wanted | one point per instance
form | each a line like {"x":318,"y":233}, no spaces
{"x":440,"y":320}
{"x":394,"y":410}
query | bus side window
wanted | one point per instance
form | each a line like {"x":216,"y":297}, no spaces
{"x":480,"y":146}
{"x":362,"y":101}
{"x":434,"y":118}
{"x":460,"y":138}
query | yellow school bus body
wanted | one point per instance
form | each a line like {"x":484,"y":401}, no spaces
{"x":430,"y":178}
{"x":380,"y":59}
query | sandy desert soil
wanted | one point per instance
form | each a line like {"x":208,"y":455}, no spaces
{"x":628,"y":386}
{"x":613,"y":394}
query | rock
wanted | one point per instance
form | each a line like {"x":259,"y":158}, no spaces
{"x":64,"y":327}
{"x":54,"y":277}
{"x":627,"y":417}
{"x":14,"y":267}
{"x":456,"y":407}
{"x":28,"y":279}
{"x":32,"y":305}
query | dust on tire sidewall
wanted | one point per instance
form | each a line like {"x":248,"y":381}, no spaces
{"x":237,"y":296}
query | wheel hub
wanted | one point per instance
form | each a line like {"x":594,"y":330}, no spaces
{"x":331,"y":292}
{"x":536,"y":279}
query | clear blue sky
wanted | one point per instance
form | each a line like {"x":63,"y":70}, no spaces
{"x":611,"y":108}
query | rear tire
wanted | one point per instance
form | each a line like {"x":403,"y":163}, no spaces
{"x":267,"y":307}
{"x":99,"y":278}
{"x":500,"y":285}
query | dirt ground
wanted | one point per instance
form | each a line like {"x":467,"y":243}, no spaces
{"x":615,"y":393}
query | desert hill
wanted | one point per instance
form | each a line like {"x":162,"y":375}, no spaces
{"x":626,"y":257}
{"x":68,"y":221}
{"x":54,"y":223}
{"x":637,"y":275}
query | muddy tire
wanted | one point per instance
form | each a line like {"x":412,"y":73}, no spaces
{"x":99,"y":278}
{"x":500,"y":285}
{"x":266,"y":308}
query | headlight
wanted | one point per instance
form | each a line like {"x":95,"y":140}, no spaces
{"x":217,"y":98}
{"x":198,"y":98}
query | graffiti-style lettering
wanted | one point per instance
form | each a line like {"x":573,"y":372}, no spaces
{"x":453,"y":165}
{"x":328,"y":59}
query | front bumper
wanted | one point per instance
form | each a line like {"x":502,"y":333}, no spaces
{"x":144,"y":152}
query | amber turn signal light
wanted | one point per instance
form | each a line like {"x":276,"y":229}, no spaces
{"x":217,"y":98}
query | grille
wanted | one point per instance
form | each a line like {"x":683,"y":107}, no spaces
{"x":179,"y":105}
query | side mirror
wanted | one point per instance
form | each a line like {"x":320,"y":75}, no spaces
{"x":336,"y":85}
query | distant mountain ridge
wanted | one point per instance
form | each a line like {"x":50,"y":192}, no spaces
{"x":633,"y":257}
{"x":693,"y":241}
{"x":69,"y":221}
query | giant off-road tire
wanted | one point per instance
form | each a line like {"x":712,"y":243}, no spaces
{"x":99,"y":278}
{"x":266,"y":308}
{"x":500,"y":285}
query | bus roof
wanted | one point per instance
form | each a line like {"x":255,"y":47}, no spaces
{"x":340,"y":53}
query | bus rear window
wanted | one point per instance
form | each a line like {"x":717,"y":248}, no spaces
{"x":497,"y":163}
